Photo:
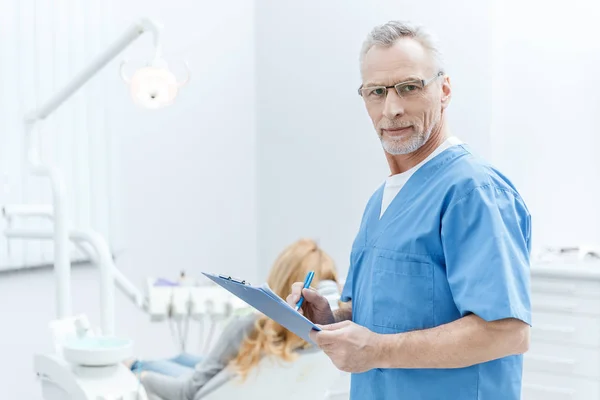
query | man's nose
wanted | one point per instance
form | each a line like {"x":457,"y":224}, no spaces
{"x":393,"y":106}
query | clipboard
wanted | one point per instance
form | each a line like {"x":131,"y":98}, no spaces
{"x":263,"y":299}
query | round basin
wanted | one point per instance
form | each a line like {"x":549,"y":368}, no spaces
{"x":97,"y":351}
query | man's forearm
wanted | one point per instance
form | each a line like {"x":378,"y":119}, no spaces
{"x":343,"y":313}
{"x":462,"y":343}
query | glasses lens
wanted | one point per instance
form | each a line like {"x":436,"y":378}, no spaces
{"x":374,"y":93}
{"x":407,"y":89}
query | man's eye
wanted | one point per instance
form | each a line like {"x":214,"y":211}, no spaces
{"x":409,"y":88}
{"x":377,"y":92}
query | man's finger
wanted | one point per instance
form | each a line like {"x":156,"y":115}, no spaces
{"x":336,"y":326}
{"x":291,"y":299}
{"x":297,"y":288}
{"x":292,"y":303}
{"x":313,"y":336}
{"x":323,"y":338}
{"x":310,"y":294}
{"x":294,"y":296}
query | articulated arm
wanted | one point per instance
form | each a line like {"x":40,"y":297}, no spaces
{"x":60,"y":207}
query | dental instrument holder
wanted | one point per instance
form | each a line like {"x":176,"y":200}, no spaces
{"x":582,"y":253}
{"x":167,"y":299}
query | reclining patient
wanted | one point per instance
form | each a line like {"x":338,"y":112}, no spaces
{"x":246,"y":339}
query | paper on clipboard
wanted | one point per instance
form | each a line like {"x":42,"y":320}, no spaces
{"x":263,"y":299}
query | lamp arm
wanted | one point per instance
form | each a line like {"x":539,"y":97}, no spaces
{"x":131,"y":34}
{"x":60,"y":207}
{"x":155,"y":29}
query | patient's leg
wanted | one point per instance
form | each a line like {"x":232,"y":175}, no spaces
{"x":163,"y":367}
{"x":187,"y":360}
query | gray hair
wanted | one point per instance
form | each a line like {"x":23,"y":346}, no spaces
{"x":387,"y":34}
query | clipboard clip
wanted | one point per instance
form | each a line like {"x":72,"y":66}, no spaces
{"x":230,"y":278}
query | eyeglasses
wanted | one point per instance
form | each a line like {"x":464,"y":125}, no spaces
{"x":407,"y":89}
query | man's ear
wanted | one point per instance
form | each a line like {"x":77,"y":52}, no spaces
{"x":446,"y":92}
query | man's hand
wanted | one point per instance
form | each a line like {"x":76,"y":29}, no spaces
{"x":315,"y":307}
{"x":351,"y":347}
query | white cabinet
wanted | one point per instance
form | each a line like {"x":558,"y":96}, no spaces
{"x":563,"y":362}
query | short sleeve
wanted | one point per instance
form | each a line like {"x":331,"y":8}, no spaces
{"x":347,"y":290}
{"x":486,"y":237}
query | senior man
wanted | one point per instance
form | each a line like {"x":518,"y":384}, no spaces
{"x":438,"y":286}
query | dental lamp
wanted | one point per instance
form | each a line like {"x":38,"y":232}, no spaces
{"x":152,"y":87}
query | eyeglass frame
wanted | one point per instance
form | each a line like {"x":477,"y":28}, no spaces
{"x":422,"y":81}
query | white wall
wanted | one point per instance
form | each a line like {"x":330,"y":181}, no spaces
{"x":181,"y":180}
{"x":42,"y":46}
{"x":318,"y":158}
{"x":545,"y":116}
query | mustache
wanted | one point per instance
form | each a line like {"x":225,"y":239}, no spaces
{"x":395,"y":125}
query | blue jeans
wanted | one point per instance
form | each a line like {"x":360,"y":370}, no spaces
{"x":178,"y":366}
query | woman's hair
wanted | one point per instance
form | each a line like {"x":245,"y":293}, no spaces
{"x":268,"y":337}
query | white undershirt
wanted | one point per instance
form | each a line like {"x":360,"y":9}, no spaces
{"x":394,"y":183}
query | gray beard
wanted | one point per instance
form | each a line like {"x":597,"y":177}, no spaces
{"x":397,"y":147}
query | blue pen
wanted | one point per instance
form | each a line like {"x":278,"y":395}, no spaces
{"x":307,"y":281}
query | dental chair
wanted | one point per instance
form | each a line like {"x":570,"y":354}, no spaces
{"x":311,"y":376}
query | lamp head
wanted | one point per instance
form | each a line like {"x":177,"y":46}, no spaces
{"x":154,"y":86}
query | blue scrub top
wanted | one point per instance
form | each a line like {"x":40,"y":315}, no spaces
{"x":455,"y":240}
